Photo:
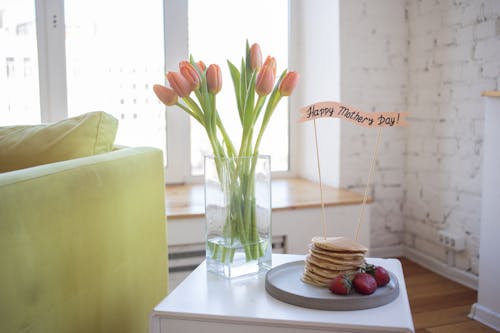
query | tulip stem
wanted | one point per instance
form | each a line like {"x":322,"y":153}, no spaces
{"x":192,"y":114}
{"x":235,"y":168}
{"x":229,"y":144}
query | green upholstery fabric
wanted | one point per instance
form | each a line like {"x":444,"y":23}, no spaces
{"x":83,"y":244}
{"x":29,"y":145}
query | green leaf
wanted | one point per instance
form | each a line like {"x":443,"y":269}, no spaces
{"x":249,"y":102}
{"x":248,"y":62}
{"x":272,"y":102}
{"x":258,"y":107}
{"x":211,"y":100}
{"x":275,"y":95}
{"x":235,"y":76}
{"x":196,"y":116}
{"x":244,"y":81}
{"x":195,"y":65}
{"x":243,"y":88}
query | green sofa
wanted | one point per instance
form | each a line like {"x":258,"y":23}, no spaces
{"x":83,"y":244}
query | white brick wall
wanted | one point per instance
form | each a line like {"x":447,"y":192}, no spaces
{"x":374,"y":78}
{"x":454,"y":54}
{"x":431,"y":58}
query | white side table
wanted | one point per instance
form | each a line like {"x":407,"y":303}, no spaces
{"x":204,"y":303}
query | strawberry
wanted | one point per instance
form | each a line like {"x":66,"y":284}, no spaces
{"x":364,"y":283}
{"x":379,"y":273}
{"x":381,"y":276}
{"x":341,"y":285}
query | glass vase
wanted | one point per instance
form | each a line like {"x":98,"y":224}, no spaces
{"x":238,"y":215}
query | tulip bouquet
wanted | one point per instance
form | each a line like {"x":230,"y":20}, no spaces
{"x":258,"y":91}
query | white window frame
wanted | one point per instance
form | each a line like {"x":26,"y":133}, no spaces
{"x":176,"y":49}
{"x":53,"y":88}
{"x":50,"y":29}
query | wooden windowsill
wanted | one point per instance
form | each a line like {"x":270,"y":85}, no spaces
{"x":491,"y":93}
{"x":187,"y":201}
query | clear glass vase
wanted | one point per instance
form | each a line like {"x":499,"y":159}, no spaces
{"x":238,"y":215}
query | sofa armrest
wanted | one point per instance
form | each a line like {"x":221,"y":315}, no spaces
{"x":83,"y":244}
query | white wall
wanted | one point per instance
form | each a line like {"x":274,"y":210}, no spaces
{"x":487,"y":308}
{"x":354,"y":52}
{"x":431,"y":58}
{"x":454,"y":54}
{"x":317,"y":44}
{"x":374,"y":77}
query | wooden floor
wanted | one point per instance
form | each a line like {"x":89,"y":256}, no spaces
{"x":439,"y":305}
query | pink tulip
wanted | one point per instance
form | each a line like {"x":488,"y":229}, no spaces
{"x":288,"y":84}
{"x":214,"y":79}
{"x":179,"y":84}
{"x":190,"y":74}
{"x":255,"y":57}
{"x":201,"y":66}
{"x":270,"y":62}
{"x":166,"y":95}
{"x":265,"y":81}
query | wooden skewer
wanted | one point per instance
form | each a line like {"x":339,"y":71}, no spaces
{"x":323,"y":218}
{"x":370,"y":174}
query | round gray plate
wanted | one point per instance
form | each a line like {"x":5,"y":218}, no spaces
{"x":284,"y":283}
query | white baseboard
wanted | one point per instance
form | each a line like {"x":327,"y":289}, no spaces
{"x":387,"y":251}
{"x":438,"y":267}
{"x":485,"y":316}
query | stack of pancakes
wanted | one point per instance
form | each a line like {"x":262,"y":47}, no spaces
{"x":332,"y":256}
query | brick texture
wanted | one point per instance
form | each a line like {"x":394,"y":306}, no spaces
{"x":431,"y":58}
{"x":374,"y":63}
{"x":454,"y":54}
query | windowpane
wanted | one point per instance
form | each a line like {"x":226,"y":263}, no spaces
{"x":19,"y":89}
{"x":114,"y":55}
{"x":218,"y":30}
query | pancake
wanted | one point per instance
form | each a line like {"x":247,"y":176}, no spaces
{"x":317,"y":279}
{"x":338,"y":265}
{"x":336,"y":255}
{"x":325,"y":273}
{"x":338,"y":261}
{"x":332,"y":256}
{"x":312,"y":281}
{"x":339,"y":244}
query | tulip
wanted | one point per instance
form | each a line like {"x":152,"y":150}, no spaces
{"x":289,"y":83}
{"x":270,"y":62}
{"x":214,"y":79}
{"x":255,"y":57}
{"x":166,"y":95}
{"x":190,"y":74}
{"x":179,"y":84}
{"x":201,"y":66}
{"x":265,"y":81}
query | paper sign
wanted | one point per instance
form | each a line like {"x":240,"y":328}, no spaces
{"x":342,"y":111}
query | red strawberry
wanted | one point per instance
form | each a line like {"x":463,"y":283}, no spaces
{"x":364,"y":283}
{"x":341,"y":285}
{"x":381,"y":276}
{"x":379,"y":273}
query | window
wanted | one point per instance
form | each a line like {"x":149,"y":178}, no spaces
{"x":19,"y":91}
{"x":89,"y":56}
{"x":221,"y":39}
{"x":112,"y":62}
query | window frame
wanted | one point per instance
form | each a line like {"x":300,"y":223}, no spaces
{"x":50,"y":29}
{"x":50,"y":25}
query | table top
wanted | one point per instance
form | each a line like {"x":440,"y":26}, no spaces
{"x":206,"y":296}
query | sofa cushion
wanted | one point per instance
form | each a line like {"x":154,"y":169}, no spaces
{"x":30,"y":145}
